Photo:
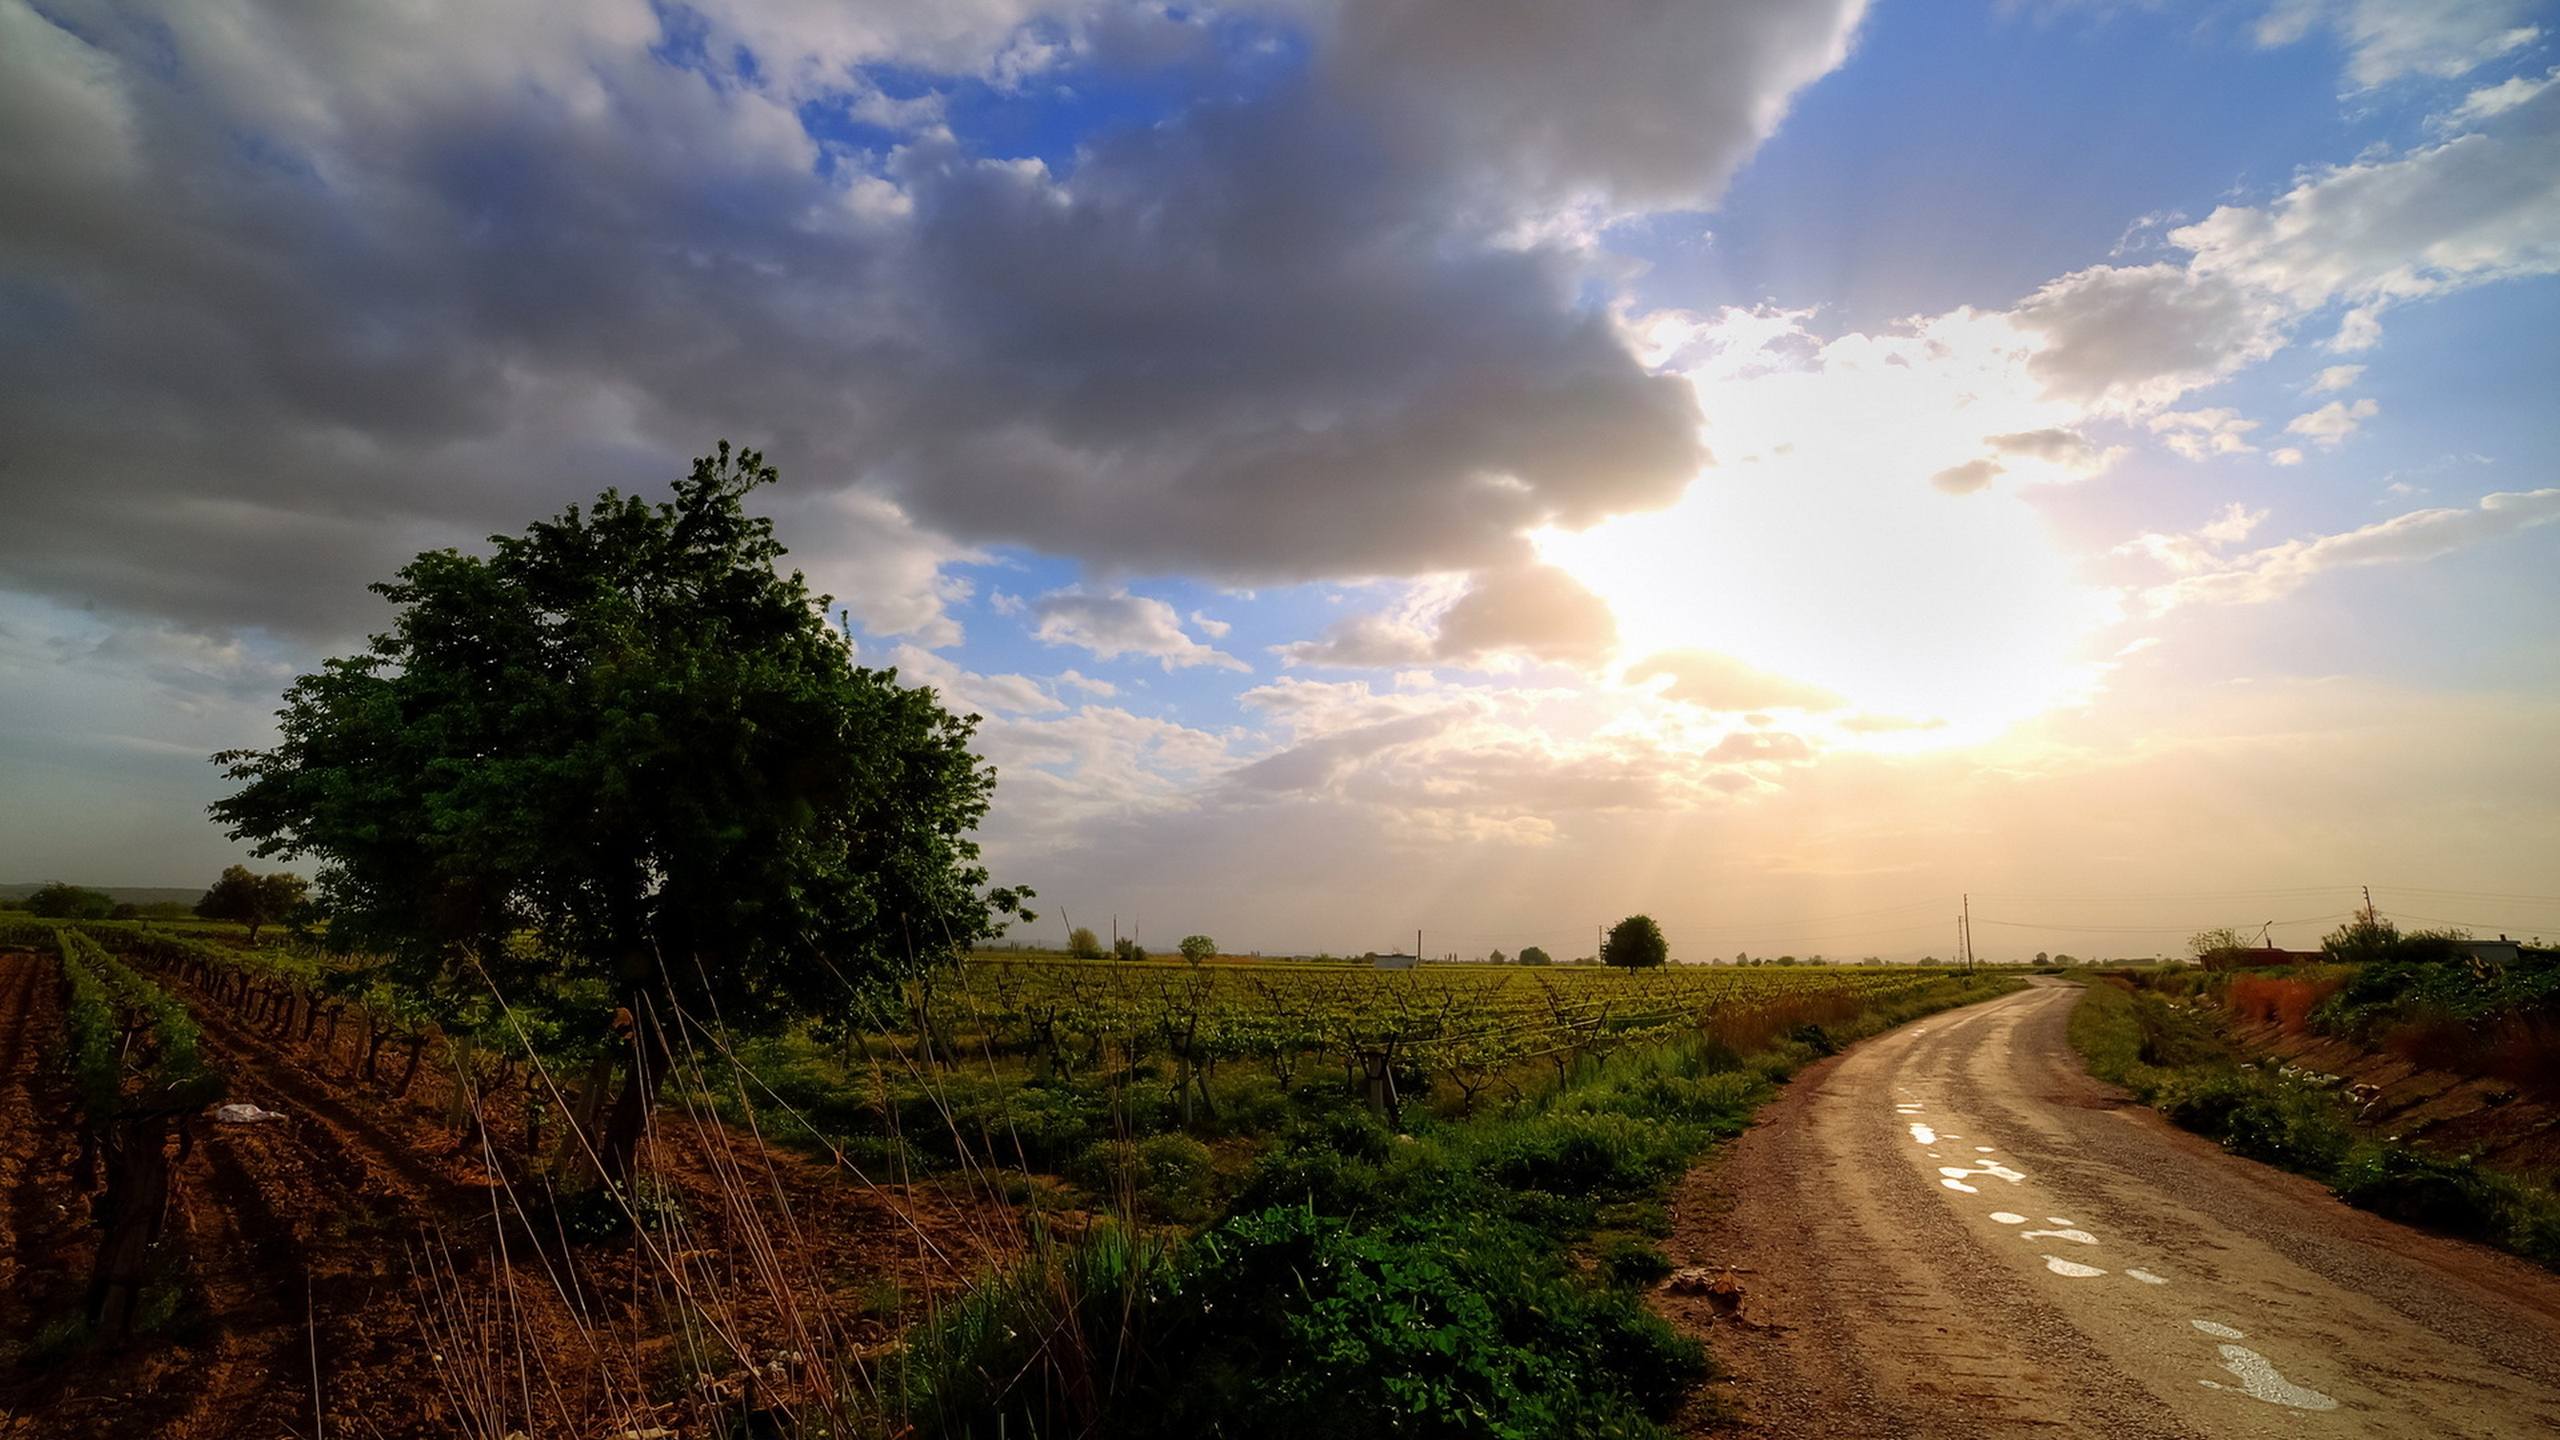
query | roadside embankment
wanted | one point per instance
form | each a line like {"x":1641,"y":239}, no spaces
{"x":2464,"y":1155}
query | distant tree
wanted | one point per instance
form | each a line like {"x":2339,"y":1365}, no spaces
{"x":1741,"y":957}
{"x":1198,"y":948}
{"x":1931,"y":960}
{"x":1125,"y":948}
{"x":1498,"y":958}
{"x":1816,"y":959}
{"x":1635,"y":943}
{"x":1533,"y":955}
{"x":58,"y":901}
{"x":2043,"y":959}
{"x":2364,"y":939}
{"x":2218,"y":948}
{"x":252,"y":899}
{"x":1781,"y":960}
{"x":1083,"y":944}
{"x":2064,"y":960}
{"x":624,"y":762}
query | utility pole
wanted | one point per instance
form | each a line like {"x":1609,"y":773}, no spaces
{"x":1115,"y":932}
{"x":1968,"y":934}
{"x":1417,"y":945}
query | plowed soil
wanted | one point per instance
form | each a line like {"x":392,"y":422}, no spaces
{"x":1951,"y":1230}
{"x":356,"y":1268}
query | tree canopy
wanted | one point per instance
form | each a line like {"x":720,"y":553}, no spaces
{"x":252,"y":899}
{"x":59,"y":901}
{"x":1533,"y":955}
{"x":623,"y":748}
{"x":1198,"y":948}
{"x":1635,"y":943}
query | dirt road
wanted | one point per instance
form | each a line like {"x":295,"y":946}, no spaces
{"x":1952,"y":1230}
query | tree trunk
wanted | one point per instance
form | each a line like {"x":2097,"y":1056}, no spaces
{"x":643,"y":1073}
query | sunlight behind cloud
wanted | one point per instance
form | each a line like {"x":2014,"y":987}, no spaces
{"x":1820,"y":549}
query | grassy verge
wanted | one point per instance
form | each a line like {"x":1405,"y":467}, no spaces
{"x":2177,"y":1059}
{"x":1479,"y":1275}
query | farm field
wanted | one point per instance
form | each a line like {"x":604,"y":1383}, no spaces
{"x":847,"y":1227}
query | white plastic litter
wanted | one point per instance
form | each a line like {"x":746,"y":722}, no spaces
{"x":243,"y":1115}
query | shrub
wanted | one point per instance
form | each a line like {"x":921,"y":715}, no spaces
{"x":1634,"y":1262}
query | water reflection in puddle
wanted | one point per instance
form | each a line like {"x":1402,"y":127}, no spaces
{"x":1987,"y":1167}
{"x":2218,"y":1330}
{"x":1960,"y":1185}
{"x":2005,"y":1218}
{"x":2146,"y":1277}
{"x":1923,"y":1133}
{"x":2072,"y":1268}
{"x":2260,"y":1381}
{"x":2076,"y":1237}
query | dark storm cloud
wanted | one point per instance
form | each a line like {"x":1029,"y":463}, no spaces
{"x":284,"y":298}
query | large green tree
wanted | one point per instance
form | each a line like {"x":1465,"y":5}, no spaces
{"x":1635,"y":943}
{"x":252,"y":899}
{"x":624,"y":760}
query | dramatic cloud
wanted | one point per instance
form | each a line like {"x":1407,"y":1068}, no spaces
{"x":1532,"y":611}
{"x":301,"y":295}
{"x":1117,"y":623}
{"x":1564,"y":104}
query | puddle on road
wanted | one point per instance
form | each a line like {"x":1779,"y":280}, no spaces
{"x":1923,"y":1133}
{"x":1982,"y":1149}
{"x":2076,"y":1237}
{"x":1960,"y":1185}
{"x":2005,"y":1218}
{"x":2261,"y":1381}
{"x":2217,"y":1330}
{"x":1987,"y":1167}
{"x":2146,"y":1277}
{"x":2072,"y":1268}
{"x":2058,"y":1220}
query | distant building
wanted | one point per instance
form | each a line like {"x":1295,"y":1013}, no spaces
{"x":1397,"y":962}
{"x":2501,"y":951}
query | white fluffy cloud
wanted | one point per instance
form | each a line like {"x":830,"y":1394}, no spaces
{"x":2475,"y":208}
{"x":1115,"y":623}
{"x":2330,"y":425}
{"x":2279,"y":570}
{"x":2388,"y":40}
{"x":2197,"y":434}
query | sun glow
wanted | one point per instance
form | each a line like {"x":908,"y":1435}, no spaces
{"x":1820,"y":550}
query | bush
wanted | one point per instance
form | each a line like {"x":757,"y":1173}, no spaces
{"x":1634,"y":1262}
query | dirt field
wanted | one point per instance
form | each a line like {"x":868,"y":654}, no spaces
{"x":1953,"y":1231}
{"x":319,"y":1247}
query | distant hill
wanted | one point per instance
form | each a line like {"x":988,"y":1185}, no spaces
{"x":124,"y":894}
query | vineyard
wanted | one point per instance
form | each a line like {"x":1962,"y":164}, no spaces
{"x":849,"y":1220}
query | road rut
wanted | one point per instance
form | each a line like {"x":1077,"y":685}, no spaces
{"x":1952,"y":1230}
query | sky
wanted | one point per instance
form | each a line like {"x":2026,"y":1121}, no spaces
{"x":1477,"y":466}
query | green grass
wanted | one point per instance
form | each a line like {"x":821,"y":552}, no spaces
{"x":1473,"y":1276}
{"x":2176,"y":1059}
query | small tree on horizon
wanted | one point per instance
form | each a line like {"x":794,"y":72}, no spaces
{"x":1198,"y":949}
{"x":252,"y":899}
{"x":59,"y":901}
{"x":1083,"y":944}
{"x":1534,"y":955}
{"x":1635,"y":943}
